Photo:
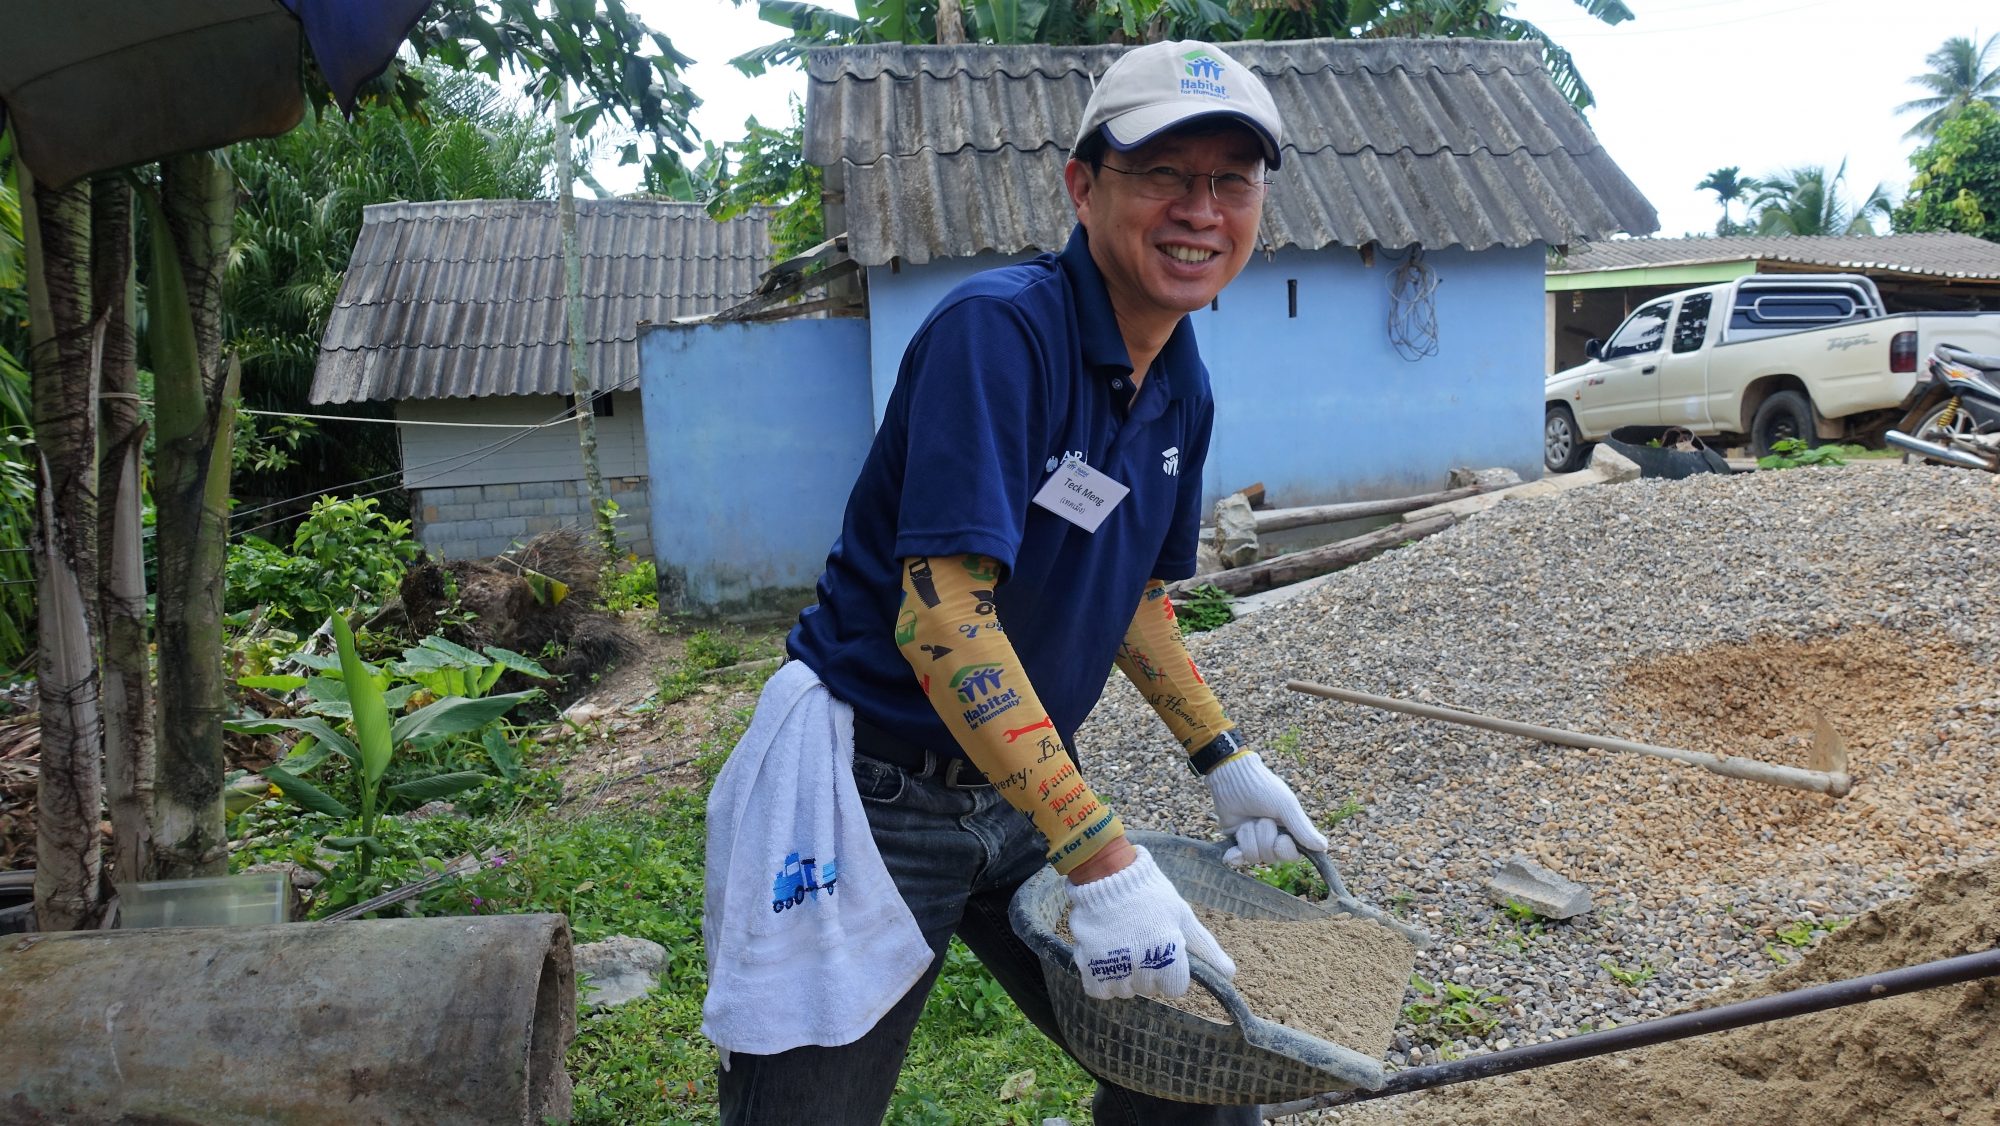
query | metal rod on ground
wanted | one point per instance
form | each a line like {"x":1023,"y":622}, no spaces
{"x":1797,"y":1002}
{"x":1815,"y":781}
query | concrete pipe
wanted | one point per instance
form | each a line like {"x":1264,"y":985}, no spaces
{"x":451,"y":1020}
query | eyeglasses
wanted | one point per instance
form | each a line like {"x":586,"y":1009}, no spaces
{"x":1231,"y":189}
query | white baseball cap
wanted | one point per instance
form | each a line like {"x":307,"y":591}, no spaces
{"x":1154,"y":88}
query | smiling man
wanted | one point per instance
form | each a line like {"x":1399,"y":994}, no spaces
{"x":1036,"y":481}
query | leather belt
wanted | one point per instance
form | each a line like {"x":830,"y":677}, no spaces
{"x":954,"y":771}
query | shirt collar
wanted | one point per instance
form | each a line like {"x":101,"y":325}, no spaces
{"x":1103,"y":345}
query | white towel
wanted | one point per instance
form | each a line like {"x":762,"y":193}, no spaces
{"x":808,"y":940}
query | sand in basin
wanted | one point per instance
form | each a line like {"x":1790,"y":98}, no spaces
{"x":1340,"y":978}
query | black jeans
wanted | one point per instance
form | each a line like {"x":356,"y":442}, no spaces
{"x":956,"y":855}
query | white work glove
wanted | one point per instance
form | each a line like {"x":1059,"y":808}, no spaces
{"x":1134,"y":933}
{"x":1260,"y":813}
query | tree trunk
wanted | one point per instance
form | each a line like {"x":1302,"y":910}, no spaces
{"x":579,"y":369}
{"x":121,"y":589}
{"x":70,"y":793}
{"x":950,"y":23}
{"x":194,"y":392}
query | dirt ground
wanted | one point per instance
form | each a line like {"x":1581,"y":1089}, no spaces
{"x":1922,"y":1058}
{"x":637,"y":744}
{"x":1760,"y":700}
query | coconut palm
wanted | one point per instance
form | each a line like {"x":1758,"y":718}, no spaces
{"x":1728,"y":186}
{"x":1806,"y":201}
{"x":1958,"y":77}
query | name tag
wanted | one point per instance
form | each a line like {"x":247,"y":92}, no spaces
{"x":1081,"y":495}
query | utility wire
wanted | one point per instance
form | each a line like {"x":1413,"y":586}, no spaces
{"x":1413,"y":327}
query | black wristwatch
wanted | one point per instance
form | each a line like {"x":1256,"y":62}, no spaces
{"x":1211,"y":756}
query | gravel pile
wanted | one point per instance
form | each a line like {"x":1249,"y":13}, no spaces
{"x":1715,"y":613}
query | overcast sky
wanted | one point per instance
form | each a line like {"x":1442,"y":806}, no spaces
{"x":1687,"y":87}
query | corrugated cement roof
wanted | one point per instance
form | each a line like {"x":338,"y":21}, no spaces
{"x":464,"y":298}
{"x":949,"y":151}
{"x":1944,"y":254}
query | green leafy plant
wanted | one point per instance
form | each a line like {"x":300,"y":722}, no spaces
{"x":1287,"y":745}
{"x":637,"y":588}
{"x":1631,"y":979}
{"x":1525,"y":926}
{"x":370,"y":744}
{"x":1352,"y":807}
{"x":446,"y":668}
{"x":1452,"y":1011}
{"x":1800,"y":933}
{"x":1206,"y":607}
{"x":1293,"y":877}
{"x":1797,"y":453}
{"x":344,"y":553}
{"x":968,"y":992}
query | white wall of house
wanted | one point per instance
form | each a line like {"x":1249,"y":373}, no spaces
{"x":445,"y":456}
{"x":475,"y":491}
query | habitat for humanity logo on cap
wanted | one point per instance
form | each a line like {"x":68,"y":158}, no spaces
{"x":1150,"y":90}
{"x":1204,"y":75}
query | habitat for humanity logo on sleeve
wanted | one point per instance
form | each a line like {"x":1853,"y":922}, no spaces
{"x":1204,"y":75}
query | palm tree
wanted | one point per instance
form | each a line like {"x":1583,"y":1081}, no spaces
{"x":1958,"y":77}
{"x":1806,"y":201}
{"x":1728,"y":187}
{"x":303,"y":195}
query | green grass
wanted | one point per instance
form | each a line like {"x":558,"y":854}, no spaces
{"x":646,"y":1062}
{"x":704,"y":653}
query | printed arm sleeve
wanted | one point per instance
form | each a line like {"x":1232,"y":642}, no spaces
{"x":950,"y":633}
{"x":1155,"y":660}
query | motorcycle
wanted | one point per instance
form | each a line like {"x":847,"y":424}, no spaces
{"x":1956,"y":416}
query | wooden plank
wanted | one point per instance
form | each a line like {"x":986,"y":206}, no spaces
{"x":1301,"y":565}
{"x":1280,"y":519}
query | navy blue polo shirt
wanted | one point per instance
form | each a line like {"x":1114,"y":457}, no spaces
{"x":1016,"y":369}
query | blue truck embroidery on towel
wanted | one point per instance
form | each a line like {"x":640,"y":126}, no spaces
{"x":797,"y":879}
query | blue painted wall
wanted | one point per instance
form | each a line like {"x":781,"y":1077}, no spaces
{"x":1319,"y":406}
{"x":754,"y":435}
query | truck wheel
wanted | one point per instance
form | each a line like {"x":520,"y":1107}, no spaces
{"x":1562,"y":450}
{"x":1786,"y":414}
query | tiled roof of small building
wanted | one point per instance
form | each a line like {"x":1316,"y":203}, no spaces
{"x":464,"y":298}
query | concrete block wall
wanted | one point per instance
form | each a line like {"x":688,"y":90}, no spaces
{"x":481,"y":521}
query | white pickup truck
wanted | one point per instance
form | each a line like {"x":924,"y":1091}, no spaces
{"x":1753,"y":361}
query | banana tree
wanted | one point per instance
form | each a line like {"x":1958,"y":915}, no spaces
{"x":373,"y":739}
{"x":66,"y":102}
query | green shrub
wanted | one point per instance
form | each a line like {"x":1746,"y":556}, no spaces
{"x":1797,"y":453}
{"x":386,"y":760}
{"x":344,"y":554}
{"x":636,"y":589}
